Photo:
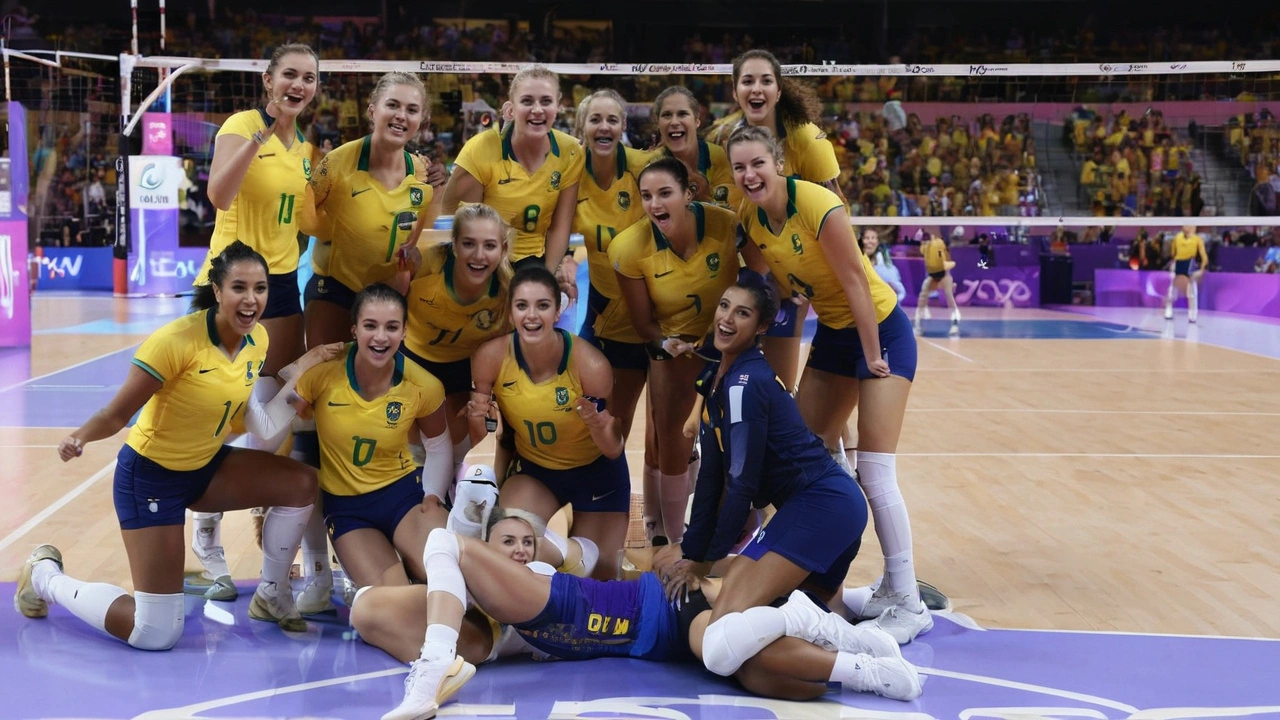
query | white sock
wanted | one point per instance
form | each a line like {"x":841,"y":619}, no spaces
{"x":851,"y":456}
{"x":1193,"y":297}
{"x":856,"y":599}
{"x":652,"y":514}
{"x":878,"y":474}
{"x":281,"y":535}
{"x":1172,"y":296}
{"x":315,"y":547}
{"x":206,"y":542}
{"x":846,"y":667}
{"x":87,"y":601}
{"x":674,"y":496}
{"x":460,"y":450}
{"x":441,"y":643}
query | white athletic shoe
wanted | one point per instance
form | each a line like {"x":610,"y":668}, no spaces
{"x":270,"y":605}
{"x":903,"y":624}
{"x":889,"y":677}
{"x":1191,"y":316}
{"x":1168,"y":311}
{"x":25,"y":598}
{"x":430,"y":685}
{"x":317,"y":596}
{"x":827,"y":630}
{"x":928,"y":314}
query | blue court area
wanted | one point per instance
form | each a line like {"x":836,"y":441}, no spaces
{"x":1042,"y":329}
{"x":227,"y":665}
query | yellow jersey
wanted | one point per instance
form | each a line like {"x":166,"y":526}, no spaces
{"x":935,"y":255}
{"x":602,"y":214}
{"x":794,"y":255}
{"x":525,"y":201}
{"x":684,"y":293}
{"x":365,"y":222}
{"x":1186,"y":248}
{"x":547,"y":429}
{"x":264,"y":213}
{"x":713,"y":163}
{"x":364,"y":444}
{"x":442,"y":328}
{"x":203,"y":394}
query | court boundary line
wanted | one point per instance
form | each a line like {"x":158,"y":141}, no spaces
{"x":1067,"y":411}
{"x":948,"y":350}
{"x":968,"y":623}
{"x":1136,"y":456}
{"x":131,"y":348}
{"x":57,"y":505}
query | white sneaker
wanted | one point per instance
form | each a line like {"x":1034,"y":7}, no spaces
{"x":903,"y":624}
{"x":955,"y":328}
{"x":1168,"y":312}
{"x":25,"y":598}
{"x":317,"y":596}
{"x":430,"y":685}
{"x":1191,"y":316}
{"x":270,"y":605}
{"x":928,"y":314}
{"x":807,"y":621}
{"x":893,"y":678}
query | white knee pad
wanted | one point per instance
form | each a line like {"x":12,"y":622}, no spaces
{"x":157,"y":621}
{"x":737,"y":637}
{"x":441,"y":559}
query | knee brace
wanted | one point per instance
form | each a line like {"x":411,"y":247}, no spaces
{"x":441,"y":558}
{"x":157,"y":621}
{"x":738,"y":637}
{"x":590,"y":555}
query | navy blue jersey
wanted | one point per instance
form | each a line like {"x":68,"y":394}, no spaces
{"x":756,"y":449}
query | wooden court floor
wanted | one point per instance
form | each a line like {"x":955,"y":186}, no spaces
{"x":1115,"y":485}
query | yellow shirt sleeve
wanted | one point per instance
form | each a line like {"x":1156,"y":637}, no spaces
{"x":478,"y":157}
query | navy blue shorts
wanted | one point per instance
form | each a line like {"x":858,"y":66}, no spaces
{"x":148,"y":494}
{"x":1182,"y":267}
{"x":382,"y":509}
{"x":937,"y":276}
{"x":621,"y":355}
{"x":282,"y":296}
{"x":455,"y":376}
{"x":321,"y":287}
{"x":840,"y":351}
{"x":586,"y":618}
{"x":603,"y":485}
{"x":784,"y":323}
{"x":819,"y":529}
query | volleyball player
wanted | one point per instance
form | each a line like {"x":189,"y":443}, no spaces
{"x":191,"y":379}
{"x":863,"y":354}
{"x":677,"y":112}
{"x":938,"y":264}
{"x":365,"y":404}
{"x":671,"y":270}
{"x":1187,"y":246}
{"x":529,"y":173}
{"x":552,"y":392}
{"x":609,"y":203}
{"x":789,"y":109}
{"x":457,"y":301}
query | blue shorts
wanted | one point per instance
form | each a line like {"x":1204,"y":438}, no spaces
{"x":819,"y":529}
{"x":282,"y":296}
{"x":784,"y":323}
{"x":148,"y":494}
{"x":1182,"y":267}
{"x":585,"y":619}
{"x":455,"y":376}
{"x":840,"y":351}
{"x":603,"y":485}
{"x":321,"y":287}
{"x":382,"y":509}
{"x":621,"y":355}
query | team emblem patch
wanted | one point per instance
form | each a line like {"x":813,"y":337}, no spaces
{"x":624,"y":200}
{"x":248,"y":371}
{"x":562,"y":396}
{"x":796,"y":247}
{"x":306,"y":167}
{"x":555,"y":179}
{"x":713,"y":263}
{"x":485,"y":319}
{"x":415,"y":196}
{"x":393,"y":411}
{"x":721,"y":194}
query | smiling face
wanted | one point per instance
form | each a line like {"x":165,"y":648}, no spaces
{"x":870,"y":241}
{"x":737,"y":322}
{"x":755,"y":171}
{"x":535,"y":102}
{"x":515,"y":539}
{"x":378,"y":331}
{"x":242,"y":296}
{"x":665,"y":202}
{"x":534,"y":310}
{"x":678,"y":124}
{"x":397,"y":113}
{"x":292,"y":85}
{"x":603,"y":127}
{"x":479,"y":249}
{"x":757,"y":91}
